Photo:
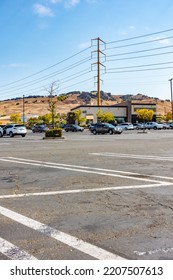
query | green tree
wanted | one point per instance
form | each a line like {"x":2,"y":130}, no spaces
{"x":145,"y":115}
{"x":105,"y":116}
{"x":168,"y":116}
{"x":15,"y":118}
{"x":78,"y":117}
{"x":47,"y":118}
{"x":32,"y":121}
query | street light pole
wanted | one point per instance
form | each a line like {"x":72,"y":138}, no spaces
{"x":23,"y":109}
{"x":170,"y":80}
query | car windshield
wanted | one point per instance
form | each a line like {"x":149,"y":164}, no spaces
{"x":19,"y":125}
{"x":110,"y":125}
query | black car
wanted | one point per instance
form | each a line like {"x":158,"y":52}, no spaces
{"x":39,"y":128}
{"x":105,"y":128}
{"x":73,"y":128}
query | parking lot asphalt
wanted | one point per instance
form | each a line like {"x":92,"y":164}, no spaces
{"x":87,"y":196}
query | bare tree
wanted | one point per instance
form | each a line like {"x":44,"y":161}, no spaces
{"x":52,"y":90}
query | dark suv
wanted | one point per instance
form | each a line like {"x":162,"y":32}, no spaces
{"x":39,"y":128}
{"x":105,"y":128}
{"x":73,"y":128}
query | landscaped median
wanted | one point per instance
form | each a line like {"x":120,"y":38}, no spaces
{"x":55,"y":133}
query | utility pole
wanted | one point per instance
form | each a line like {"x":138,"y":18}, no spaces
{"x":170,"y":80}
{"x":23,"y":109}
{"x":98,"y":51}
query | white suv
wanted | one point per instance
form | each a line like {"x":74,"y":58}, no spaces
{"x":153,"y":125}
{"x":15,"y":129}
{"x":1,"y":132}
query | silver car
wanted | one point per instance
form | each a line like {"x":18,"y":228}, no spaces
{"x":153,"y":125}
{"x":126,"y":126}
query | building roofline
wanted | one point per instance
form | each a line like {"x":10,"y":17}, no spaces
{"x":101,"y":106}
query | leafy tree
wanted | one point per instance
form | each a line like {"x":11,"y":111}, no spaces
{"x":62,"y":97}
{"x":168,"y":116}
{"x":105,"y":116}
{"x":75,"y":116}
{"x":145,"y":115}
{"x":47,"y":118}
{"x":15,"y":118}
{"x":32,"y":121}
{"x":78,"y":117}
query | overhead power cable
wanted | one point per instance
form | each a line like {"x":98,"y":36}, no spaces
{"x":140,"y":36}
{"x":45,"y":69}
{"x":140,"y":43}
{"x":140,"y":56}
{"x":46,"y":77}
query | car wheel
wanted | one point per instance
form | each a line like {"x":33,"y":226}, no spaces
{"x":110,"y":131}
{"x":154,"y":127}
{"x":94,"y":132}
{"x":1,"y":135}
{"x":23,"y":135}
{"x":11,"y":134}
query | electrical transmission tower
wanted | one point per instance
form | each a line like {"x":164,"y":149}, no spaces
{"x":98,"y":63}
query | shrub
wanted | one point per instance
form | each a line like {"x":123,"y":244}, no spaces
{"x":56,"y":132}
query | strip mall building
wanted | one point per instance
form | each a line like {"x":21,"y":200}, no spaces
{"x":123,"y":112}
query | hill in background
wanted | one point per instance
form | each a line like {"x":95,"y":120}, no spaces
{"x":38,"y":105}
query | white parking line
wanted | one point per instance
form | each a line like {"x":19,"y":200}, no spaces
{"x":152,"y":252}
{"x":13,"y":252}
{"x":84,"y":169}
{"x":67,"y":239}
{"x":86,"y":190}
{"x":145,"y":157}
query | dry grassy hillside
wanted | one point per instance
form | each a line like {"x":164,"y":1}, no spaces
{"x":39,"y":105}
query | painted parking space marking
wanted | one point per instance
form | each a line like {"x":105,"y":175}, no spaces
{"x":155,"y":251}
{"x":84,"y":169}
{"x":145,"y":157}
{"x":85,"y":190}
{"x":65,"y":238}
{"x":13,"y":252}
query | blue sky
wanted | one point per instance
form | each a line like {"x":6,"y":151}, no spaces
{"x":45,"y":41}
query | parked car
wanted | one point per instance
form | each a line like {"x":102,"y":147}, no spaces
{"x":90,"y":127}
{"x":73,"y":128}
{"x":126,"y":126}
{"x":165,"y":125}
{"x":153,"y":125}
{"x":170,"y":125}
{"x":14,"y":129}
{"x":105,"y":128}
{"x":140,"y":126}
{"x":1,"y":132}
{"x":39,"y":128}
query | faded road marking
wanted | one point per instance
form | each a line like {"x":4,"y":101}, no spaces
{"x":85,"y":190}
{"x":65,"y":238}
{"x":13,"y":252}
{"x":84,"y":169}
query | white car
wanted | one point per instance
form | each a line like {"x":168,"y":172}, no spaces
{"x":153,"y":125}
{"x":126,"y":126}
{"x":14,"y":129}
{"x":1,"y":132}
